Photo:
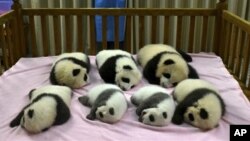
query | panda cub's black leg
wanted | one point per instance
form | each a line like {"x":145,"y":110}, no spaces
{"x":192,"y":73}
{"x":92,"y":115}
{"x":141,"y":107}
{"x":84,"y":100}
{"x":184,"y":55}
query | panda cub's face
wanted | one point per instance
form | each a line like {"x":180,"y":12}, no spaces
{"x":106,"y":114}
{"x":199,"y":117}
{"x":71,"y":74}
{"x":154,"y":116}
{"x":170,"y":72}
{"x":127,"y":77}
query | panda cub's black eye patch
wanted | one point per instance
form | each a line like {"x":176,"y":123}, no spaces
{"x":164,"y":114}
{"x":85,"y":77}
{"x":167,"y":75}
{"x":169,"y":62}
{"x":151,"y":118}
{"x":101,"y":115}
{"x":30,"y":113}
{"x":76,"y":72}
{"x":111,"y":111}
{"x":191,"y":117}
{"x":203,"y":113}
{"x":127,"y":67}
{"x":126,"y":80}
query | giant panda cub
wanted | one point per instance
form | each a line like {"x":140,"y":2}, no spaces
{"x":118,"y":67}
{"x":199,"y":104}
{"x":49,"y":105}
{"x":70,"y":69}
{"x":155,"y":106}
{"x":107,"y":102}
{"x":163,"y":65}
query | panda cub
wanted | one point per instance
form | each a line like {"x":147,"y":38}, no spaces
{"x":49,"y":105}
{"x":163,"y":65}
{"x":199,"y":104}
{"x":118,"y":67}
{"x":107,"y":102}
{"x":155,"y":106}
{"x":70,"y":69}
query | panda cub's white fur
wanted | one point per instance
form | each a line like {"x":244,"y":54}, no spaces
{"x":199,"y":104}
{"x":163,"y":65}
{"x":118,"y":67}
{"x":155,"y":106}
{"x":107,"y":102}
{"x":49,"y":105}
{"x":71,"y":69}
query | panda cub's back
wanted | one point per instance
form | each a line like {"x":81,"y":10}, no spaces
{"x":61,"y":91}
{"x":77,"y":55}
{"x":146,"y":92}
{"x":187,"y":86}
{"x":149,"y":51}
{"x":103,"y":55}
{"x":94,"y":93}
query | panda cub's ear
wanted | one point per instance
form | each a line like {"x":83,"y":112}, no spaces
{"x":169,"y":62}
{"x":30,"y":93}
{"x":75,"y":72}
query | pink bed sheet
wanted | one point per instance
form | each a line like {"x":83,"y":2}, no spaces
{"x":29,"y":73}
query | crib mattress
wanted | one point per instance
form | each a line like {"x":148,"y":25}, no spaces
{"x":29,"y":73}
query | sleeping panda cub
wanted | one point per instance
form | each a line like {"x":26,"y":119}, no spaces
{"x":49,"y":105}
{"x":163,"y":65}
{"x":199,"y":104}
{"x":70,"y":69}
{"x":107,"y":102}
{"x":118,"y":67}
{"x":155,"y":106}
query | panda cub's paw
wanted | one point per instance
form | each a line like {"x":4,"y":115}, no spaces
{"x":84,"y":100}
{"x":134,"y":101}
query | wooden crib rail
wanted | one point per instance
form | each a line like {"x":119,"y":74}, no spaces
{"x":9,"y":40}
{"x":236,"y":47}
{"x":135,"y":23}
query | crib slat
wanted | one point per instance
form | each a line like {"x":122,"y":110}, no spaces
{"x":16,"y":52}
{"x":2,"y":39}
{"x":104,"y":32}
{"x":237,"y":52}
{"x":154,"y":27}
{"x":33,"y":36}
{"x":166,"y":30}
{"x":68,"y":31}
{"x":191,"y":34}
{"x":204,"y":34}
{"x":141,"y":31}
{"x":57,"y":34}
{"x":246,"y":57}
{"x":241,"y":44}
{"x":179,"y":31}
{"x":80,"y":38}
{"x":116,"y":32}
{"x":231,"y":44}
{"x":92,"y":35}
{"x":45,"y":36}
{"x":233,"y":48}
{"x":223,"y":38}
{"x":228,"y":38}
{"x":127,"y":46}
{"x":10,"y":43}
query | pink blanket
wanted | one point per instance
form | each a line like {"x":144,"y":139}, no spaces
{"x":29,"y":73}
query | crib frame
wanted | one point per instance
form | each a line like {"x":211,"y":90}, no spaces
{"x":231,"y":33}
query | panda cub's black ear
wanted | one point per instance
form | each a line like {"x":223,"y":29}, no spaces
{"x":30,"y":93}
{"x":169,"y":62}
{"x":76,"y":72}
